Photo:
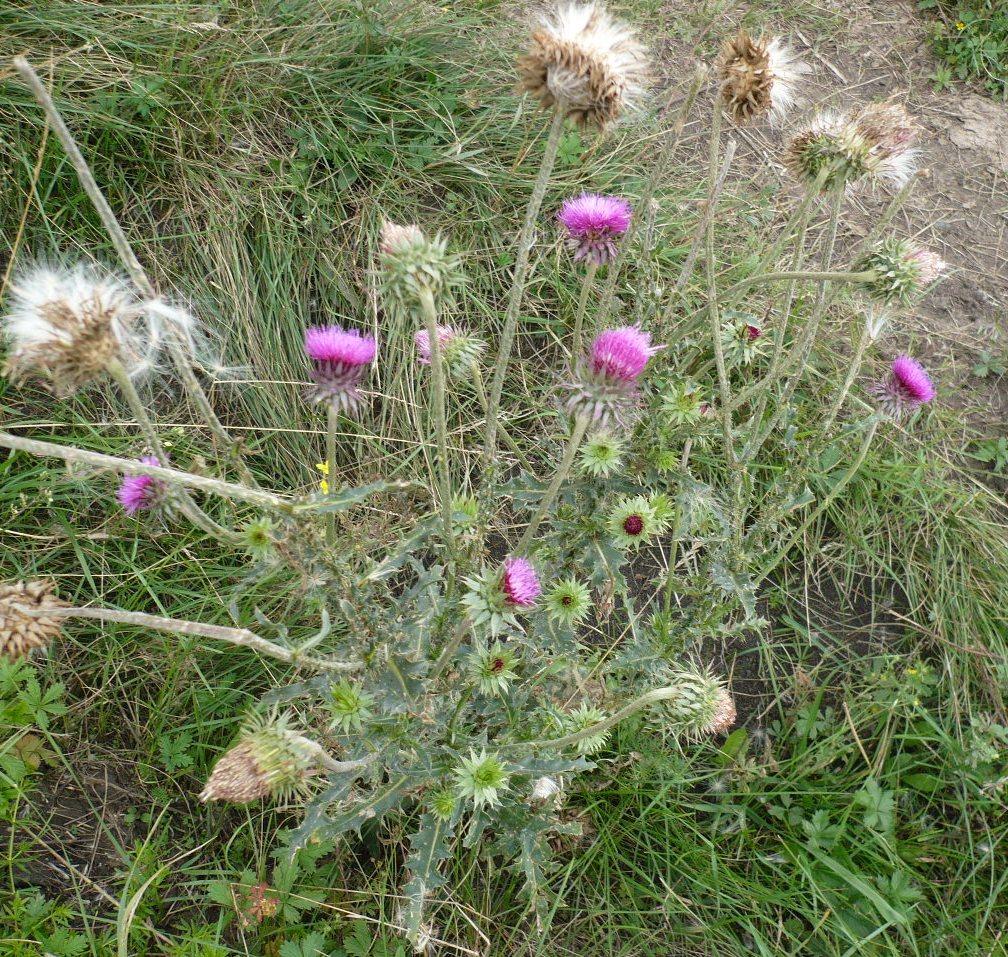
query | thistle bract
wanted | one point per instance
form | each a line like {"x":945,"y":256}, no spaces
{"x":24,"y":626}
{"x":902,"y":271}
{"x":568,"y":601}
{"x":702,"y":706}
{"x":493,"y":668}
{"x":414,"y":266}
{"x":480,"y":778}
{"x":582,"y":719}
{"x":458,"y":351}
{"x":601,"y":455}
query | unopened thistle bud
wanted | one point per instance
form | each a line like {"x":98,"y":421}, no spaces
{"x":875,"y":145}
{"x":458,"y":350}
{"x":758,"y":77}
{"x":581,"y":719}
{"x":270,"y":760}
{"x":480,"y":777}
{"x":443,"y":804}
{"x":340,"y":358}
{"x":585,"y":63}
{"x":465,"y":511}
{"x":903,"y":271}
{"x":24,"y":627}
{"x":601,"y":455}
{"x":702,"y":707}
{"x":350,"y":705}
{"x":413,"y":266}
{"x":604,"y":385}
{"x":493,"y":669}
{"x":632,"y":522}
{"x":568,"y":601}
{"x":681,"y":403}
{"x":742,"y":339}
{"x":258,"y":538}
{"x":905,"y":389}
{"x":68,"y":327}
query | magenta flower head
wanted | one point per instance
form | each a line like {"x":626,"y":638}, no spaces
{"x":593,"y":222}
{"x":905,"y":389}
{"x":139,"y":493}
{"x":446,"y":335}
{"x":604,"y":386}
{"x":520,"y":583}
{"x":340,"y":358}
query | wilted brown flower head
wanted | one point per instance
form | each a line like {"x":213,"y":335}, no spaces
{"x":270,"y":760}
{"x":584,"y":62}
{"x":68,"y":327}
{"x":758,"y":77}
{"x":21,"y":632}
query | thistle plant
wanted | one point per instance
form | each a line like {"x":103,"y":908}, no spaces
{"x":450,"y":673}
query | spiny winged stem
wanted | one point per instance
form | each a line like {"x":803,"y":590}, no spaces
{"x":586,"y":286}
{"x":841,"y":484}
{"x":112,"y":463}
{"x":563,"y":470}
{"x":658,"y":172}
{"x":518,"y":289}
{"x":332,"y":420}
{"x":853,"y":368}
{"x":656,"y":695}
{"x":174,"y":626}
{"x":712,"y":303}
{"x":800,"y":351}
{"x":477,"y":378}
{"x":429,"y":309}
{"x":186,"y":504}
{"x":125,"y":252}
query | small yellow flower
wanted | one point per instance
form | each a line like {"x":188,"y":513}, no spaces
{"x":960,"y":26}
{"x":323,"y":485}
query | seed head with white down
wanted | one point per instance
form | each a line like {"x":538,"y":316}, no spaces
{"x":584,"y":62}
{"x":69,"y":325}
{"x":759,"y":77}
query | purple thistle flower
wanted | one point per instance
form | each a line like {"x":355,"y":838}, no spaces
{"x":446,"y":335}
{"x":604,"y":385}
{"x":622,"y":353}
{"x":340,"y":357}
{"x":593,"y":222}
{"x":905,"y":389}
{"x":521,"y":583}
{"x":139,"y":493}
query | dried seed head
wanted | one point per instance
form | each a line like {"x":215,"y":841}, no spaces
{"x":585,"y":63}
{"x":21,"y":632}
{"x":67,"y":326}
{"x":270,"y":760}
{"x":758,"y":77}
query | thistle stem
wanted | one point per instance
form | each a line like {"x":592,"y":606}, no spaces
{"x":332,"y":418}
{"x":112,"y":463}
{"x":855,"y":366}
{"x":122,"y":246}
{"x":448,"y":652}
{"x":509,"y":441}
{"x":518,"y":288}
{"x":602,"y":727}
{"x":841,"y":484}
{"x":586,"y":286}
{"x":658,"y":173}
{"x":234,"y":636}
{"x":563,"y":470}
{"x":440,"y":416}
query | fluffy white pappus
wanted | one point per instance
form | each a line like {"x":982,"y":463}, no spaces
{"x":787,"y":69}
{"x":179,"y":323}
{"x":544,"y":788}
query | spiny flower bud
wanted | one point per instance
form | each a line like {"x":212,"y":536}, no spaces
{"x":493,"y":668}
{"x":480,"y":777}
{"x":903,"y":271}
{"x":270,"y":760}
{"x":742,"y":339}
{"x":568,"y":601}
{"x":585,"y":63}
{"x":581,"y":719}
{"x":758,"y":77}
{"x":21,"y":631}
{"x":350,"y":705}
{"x":69,"y":326}
{"x":458,"y":351}
{"x":413,"y":266}
{"x":601,"y":455}
{"x":702,"y":707}
{"x":633,"y":521}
